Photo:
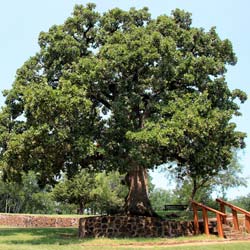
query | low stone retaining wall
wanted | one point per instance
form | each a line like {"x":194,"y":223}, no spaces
{"x":37,"y":221}
{"x":132,"y":226}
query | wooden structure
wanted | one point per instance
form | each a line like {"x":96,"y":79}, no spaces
{"x":175,"y":207}
{"x":235,"y":209}
{"x":220,"y":216}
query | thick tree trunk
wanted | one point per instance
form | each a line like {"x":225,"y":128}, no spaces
{"x":137,"y":201}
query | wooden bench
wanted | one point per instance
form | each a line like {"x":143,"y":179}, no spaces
{"x":175,"y":207}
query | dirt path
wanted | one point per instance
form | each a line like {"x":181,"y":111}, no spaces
{"x":169,"y":244}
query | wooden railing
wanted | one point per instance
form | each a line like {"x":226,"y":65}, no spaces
{"x":220,"y":216}
{"x":235,"y":209}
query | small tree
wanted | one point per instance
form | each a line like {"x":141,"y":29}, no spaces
{"x":232,"y":177}
{"x":101,"y":192}
{"x":78,"y":190}
{"x":183,"y":193}
{"x":160,"y":197}
{"x":200,"y":188}
{"x":109,"y":193}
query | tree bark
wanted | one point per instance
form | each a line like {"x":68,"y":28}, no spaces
{"x":81,"y":208}
{"x":137,"y":201}
{"x":194,"y":189}
{"x":193,"y":193}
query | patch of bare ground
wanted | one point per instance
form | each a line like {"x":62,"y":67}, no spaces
{"x":169,"y":244}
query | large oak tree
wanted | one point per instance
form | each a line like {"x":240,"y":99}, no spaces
{"x":124,"y":91}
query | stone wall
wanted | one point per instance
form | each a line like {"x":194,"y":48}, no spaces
{"x":37,"y":221}
{"x":129,"y":226}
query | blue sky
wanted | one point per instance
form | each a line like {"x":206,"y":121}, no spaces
{"x":22,"y":21}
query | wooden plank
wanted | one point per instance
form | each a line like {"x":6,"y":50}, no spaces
{"x":196,"y":219}
{"x":223,"y":210}
{"x":235,"y":220}
{"x":205,"y":220}
{"x":247,"y":223}
{"x":219,"y":226}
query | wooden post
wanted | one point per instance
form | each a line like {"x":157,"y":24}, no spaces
{"x":247,"y":223}
{"x":219,"y":226}
{"x":223,"y":210}
{"x":235,"y":220}
{"x":205,"y":221}
{"x":196,"y":220}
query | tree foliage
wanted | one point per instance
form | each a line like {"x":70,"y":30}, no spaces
{"x":160,"y":197}
{"x":98,"y":192}
{"x":26,"y":197}
{"x":78,"y":190}
{"x":121,"y":90}
{"x":109,"y":193}
{"x":201,"y":188}
{"x":243,"y":202}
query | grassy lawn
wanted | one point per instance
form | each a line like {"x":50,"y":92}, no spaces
{"x":50,"y":215}
{"x":66,"y":238}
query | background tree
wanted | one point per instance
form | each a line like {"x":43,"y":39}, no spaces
{"x":230,"y":178}
{"x":78,"y":190}
{"x":10,"y":198}
{"x":243,"y":202}
{"x":184,"y":190}
{"x":109,"y":193}
{"x":201,"y":188}
{"x":160,"y":82}
{"x":26,"y":197}
{"x":160,"y":197}
{"x":35,"y":200}
{"x":96,"y":192}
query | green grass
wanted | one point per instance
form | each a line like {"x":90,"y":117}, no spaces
{"x":66,"y":238}
{"x":231,"y":246}
{"x":50,"y":215}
